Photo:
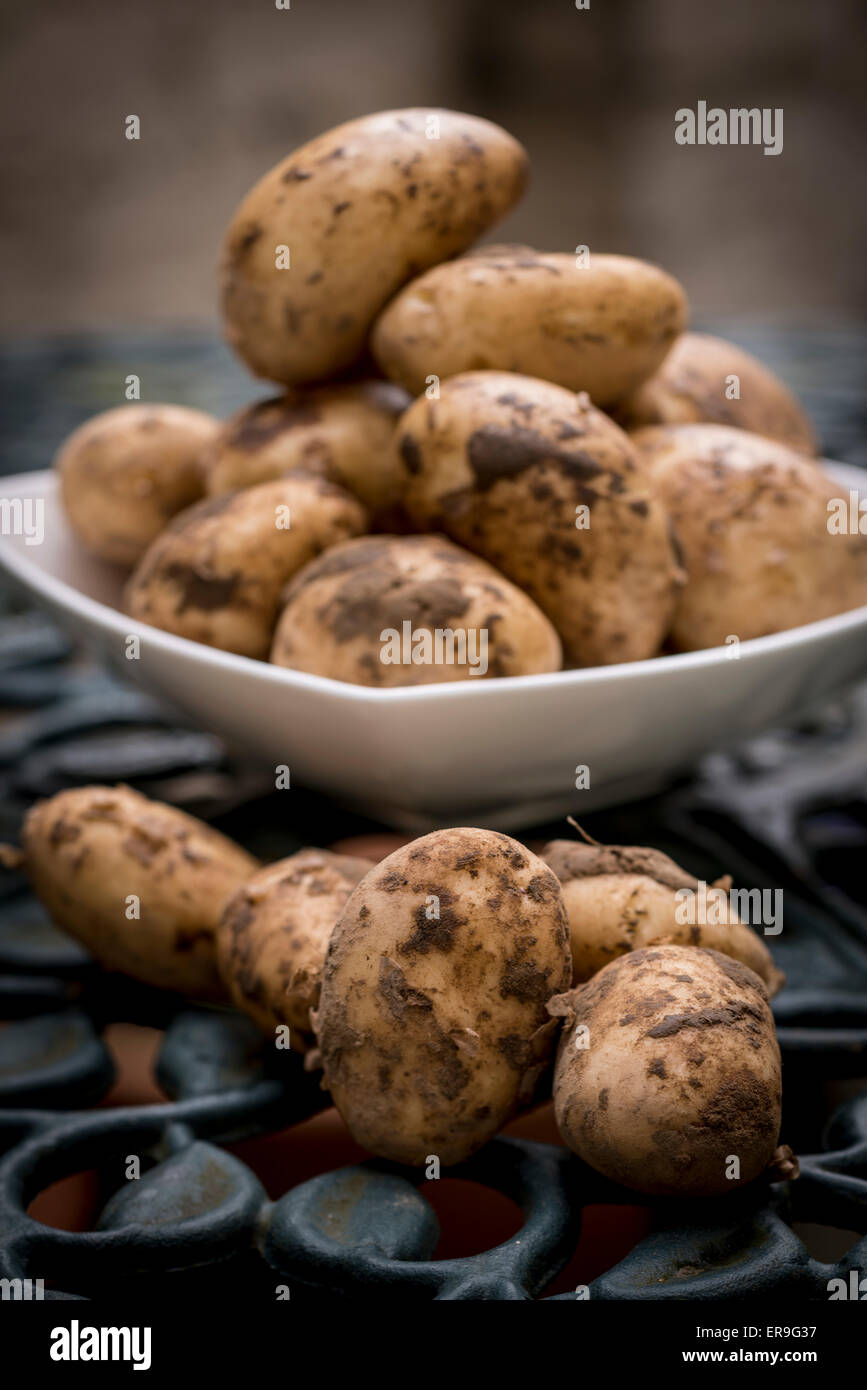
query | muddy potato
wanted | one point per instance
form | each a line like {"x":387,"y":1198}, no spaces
{"x":603,"y":328}
{"x":125,"y":474}
{"x":360,"y":210}
{"x":432,"y":1019}
{"x":551,"y":492}
{"x":347,"y":433}
{"x":751,"y":520}
{"x":678,"y":1074}
{"x":274,"y":933}
{"x":90,"y":852}
{"x":693,"y":386}
{"x":216,"y":573}
{"x":410,"y":610}
{"x":622,"y":898}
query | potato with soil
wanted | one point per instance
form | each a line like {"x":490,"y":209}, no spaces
{"x":751,"y":519}
{"x":667,"y":1070}
{"x":124,"y":474}
{"x":410,"y":610}
{"x":358,"y":211}
{"x":347,"y":433}
{"x":601,"y":328}
{"x":97,"y":855}
{"x":274,"y":933}
{"x":694,"y":386}
{"x":216,"y":573}
{"x":551,"y":492}
{"x":432,"y":1020}
{"x":623,"y":898}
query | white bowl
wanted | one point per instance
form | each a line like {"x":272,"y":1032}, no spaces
{"x":501,"y":752}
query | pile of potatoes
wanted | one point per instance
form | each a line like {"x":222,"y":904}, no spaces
{"x":588,"y":486}
{"x":451,"y":984}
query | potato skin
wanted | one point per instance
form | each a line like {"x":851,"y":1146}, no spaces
{"x":622,"y":898}
{"x":432,"y":1031}
{"x":690,"y":388}
{"x":126,"y":472}
{"x":338,"y":606}
{"x":751,"y":520}
{"x":681,"y":1072}
{"x":274,"y":932}
{"x":216,"y":573}
{"x":346,"y":433}
{"x":602,"y":329}
{"x":502,"y":462}
{"x":362,"y":209}
{"x":87,"y":850}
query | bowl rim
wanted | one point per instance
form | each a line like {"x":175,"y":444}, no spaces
{"x":61,"y":594}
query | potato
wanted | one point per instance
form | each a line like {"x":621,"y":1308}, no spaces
{"x":603,"y":328}
{"x":410,"y":610}
{"x":551,"y":492}
{"x":96,"y":856}
{"x":751,"y":519}
{"x":360,"y":210}
{"x":692,"y":386}
{"x":127,"y":472}
{"x":347,"y":433}
{"x":432,"y":1019}
{"x":216,"y":573}
{"x":622,"y":898}
{"x":274,"y":932}
{"x":678,"y":1074}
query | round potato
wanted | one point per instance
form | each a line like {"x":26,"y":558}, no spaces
{"x":357,"y":212}
{"x":410,"y":610}
{"x":432,"y":1019}
{"x":752,"y":523}
{"x":622,"y":898}
{"x":347,"y":433}
{"x":694,"y":385}
{"x":140,"y":884}
{"x":603,"y":328}
{"x":551,"y":492}
{"x":216,"y":573}
{"x":668,"y":1072}
{"x":127,"y":472}
{"x":274,"y":933}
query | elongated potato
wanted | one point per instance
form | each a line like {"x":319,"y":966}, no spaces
{"x":410,"y":610}
{"x":140,"y":884}
{"x":552,"y":493}
{"x":696,"y":382}
{"x":347,"y":433}
{"x":668,"y":1072}
{"x":432,"y":1019}
{"x":216,"y":573}
{"x":752,"y":522}
{"x":274,"y":933}
{"x":125,"y":473}
{"x":603,"y":328}
{"x":358,"y":211}
{"x":622,"y":898}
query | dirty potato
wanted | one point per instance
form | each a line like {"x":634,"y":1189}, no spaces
{"x":216,"y":573}
{"x":124,"y":474}
{"x":622,"y":898}
{"x":751,"y":519}
{"x":432,"y":1019}
{"x":550,"y":491}
{"x":274,"y":933}
{"x":410,"y":610}
{"x":601,"y":328}
{"x":140,"y":884}
{"x":668,"y":1072}
{"x":324,"y":240}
